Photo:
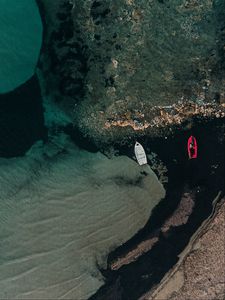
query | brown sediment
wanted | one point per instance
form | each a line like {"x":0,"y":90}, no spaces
{"x":179,"y":217}
{"x":142,"y":248}
{"x":160,"y":116}
{"x":125,"y":123}
{"x":182,"y":213}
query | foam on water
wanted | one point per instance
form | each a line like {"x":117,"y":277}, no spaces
{"x":62,"y":210}
{"x":21,"y":37}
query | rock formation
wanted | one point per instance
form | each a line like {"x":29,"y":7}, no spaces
{"x":117,"y":66}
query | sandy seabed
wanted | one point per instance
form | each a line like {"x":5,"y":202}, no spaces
{"x":62,"y":210}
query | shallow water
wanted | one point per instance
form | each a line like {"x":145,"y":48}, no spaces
{"x":62,"y":210}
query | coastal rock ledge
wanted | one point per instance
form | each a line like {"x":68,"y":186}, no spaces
{"x":118,"y":69}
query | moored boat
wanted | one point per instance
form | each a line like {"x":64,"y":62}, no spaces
{"x":140,"y":154}
{"x":192,"y":147}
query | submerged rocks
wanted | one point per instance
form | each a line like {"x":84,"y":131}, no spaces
{"x":106,"y":60}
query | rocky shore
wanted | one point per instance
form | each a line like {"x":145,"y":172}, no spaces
{"x":114,"y":71}
{"x":117,"y":72}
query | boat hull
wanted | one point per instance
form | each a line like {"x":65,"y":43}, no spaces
{"x":140,"y":154}
{"x":192,"y":147}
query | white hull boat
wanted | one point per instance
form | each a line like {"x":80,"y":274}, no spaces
{"x":140,"y":154}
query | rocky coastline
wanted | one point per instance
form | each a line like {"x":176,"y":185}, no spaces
{"x":117,"y":74}
{"x":193,"y":190}
{"x":113,"y":73}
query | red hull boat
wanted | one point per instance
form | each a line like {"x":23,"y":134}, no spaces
{"x":192,"y":147}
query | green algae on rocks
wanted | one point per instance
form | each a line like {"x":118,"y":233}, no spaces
{"x":112,"y":64}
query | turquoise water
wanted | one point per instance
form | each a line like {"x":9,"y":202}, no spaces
{"x":21,"y":37}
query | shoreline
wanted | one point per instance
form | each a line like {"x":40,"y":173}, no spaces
{"x":181,"y":273}
{"x":128,"y":282}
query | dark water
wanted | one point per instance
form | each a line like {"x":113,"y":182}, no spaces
{"x":133,"y":280}
{"x":21,"y":119}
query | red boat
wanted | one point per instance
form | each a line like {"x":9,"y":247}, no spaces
{"x":192,"y":147}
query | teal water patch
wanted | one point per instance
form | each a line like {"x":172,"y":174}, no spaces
{"x":20,"y":43}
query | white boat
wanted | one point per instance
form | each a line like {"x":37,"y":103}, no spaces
{"x":140,"y":154}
